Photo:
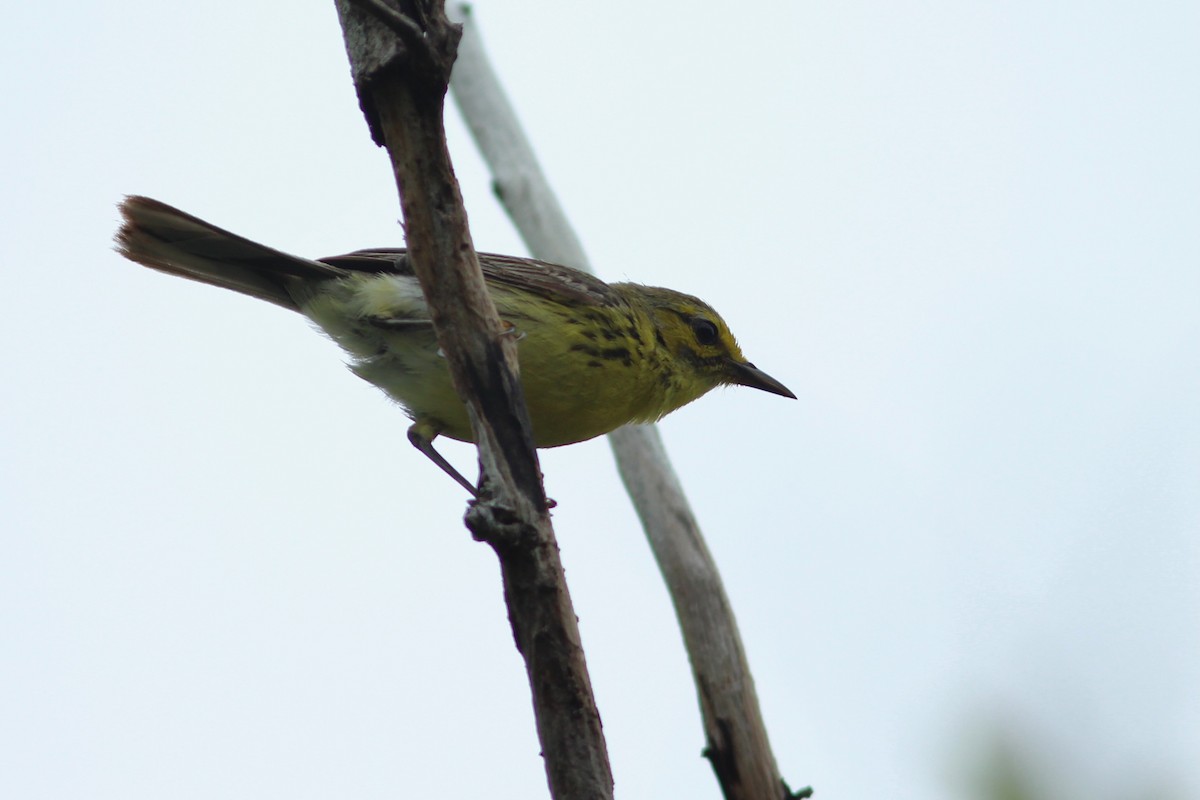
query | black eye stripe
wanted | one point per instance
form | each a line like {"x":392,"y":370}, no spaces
{"x":705,"y":330}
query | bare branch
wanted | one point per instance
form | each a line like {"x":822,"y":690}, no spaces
{"x":737,"y":743}
{"x":401,"y":69}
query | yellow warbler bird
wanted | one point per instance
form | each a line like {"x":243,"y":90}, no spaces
{"x":593,"y":356}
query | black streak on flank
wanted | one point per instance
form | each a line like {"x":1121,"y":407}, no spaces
{"x":579,"y":347}
{"x":618,"y":354}
{"x":621,"y":354}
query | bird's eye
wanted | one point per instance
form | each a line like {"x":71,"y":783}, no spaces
{"x":705,"y":330}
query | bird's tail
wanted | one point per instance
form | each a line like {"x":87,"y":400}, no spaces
{"x":167,"y":239}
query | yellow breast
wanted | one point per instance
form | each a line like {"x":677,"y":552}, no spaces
{"x":586,"y":370}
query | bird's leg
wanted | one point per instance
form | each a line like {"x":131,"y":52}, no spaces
{"x":422,"y":434}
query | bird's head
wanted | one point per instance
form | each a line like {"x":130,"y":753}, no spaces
{"x":701,"y":346}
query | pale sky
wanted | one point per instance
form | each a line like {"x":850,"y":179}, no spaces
{"x":965,"y":234}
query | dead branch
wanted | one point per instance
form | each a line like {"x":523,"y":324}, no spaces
{"x":736,"y":739}
{"x":401,"y":54}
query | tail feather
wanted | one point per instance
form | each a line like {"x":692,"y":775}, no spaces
{"x":164,"y":238}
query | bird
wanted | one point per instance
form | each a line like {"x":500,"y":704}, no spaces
{"x":593,"y":356}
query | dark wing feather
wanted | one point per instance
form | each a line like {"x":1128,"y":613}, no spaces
{"x":551,"y":281}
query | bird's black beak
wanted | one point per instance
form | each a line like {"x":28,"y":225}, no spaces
{"x":746,"y":374}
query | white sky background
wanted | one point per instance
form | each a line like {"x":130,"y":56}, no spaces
{"x":965,"y":234}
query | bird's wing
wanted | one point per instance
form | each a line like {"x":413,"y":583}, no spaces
{"x":551,"y":281}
